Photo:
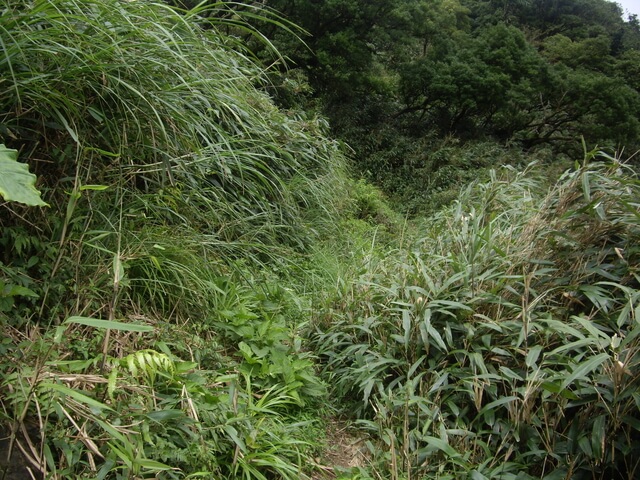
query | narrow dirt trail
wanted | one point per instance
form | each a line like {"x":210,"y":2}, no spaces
{"x":345,"y":450}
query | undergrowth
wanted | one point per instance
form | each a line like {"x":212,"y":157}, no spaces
{"x":504,"y":342}
{"x":198,"y":255}
{"x":150,"y":321}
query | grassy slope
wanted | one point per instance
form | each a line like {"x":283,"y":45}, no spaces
{"x":224,"y":243}
{"x":151,"y":315}
{"x":503,"y":343}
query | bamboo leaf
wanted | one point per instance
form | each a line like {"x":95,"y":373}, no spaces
{"x":433,"y":333}
{"x":510,"y":373}
{"x":586,"y":186}
{"x":109,"y":324}
{"x":152,"y":465}
{"x":597,"y":295}
{"x":532,"y":356}
{"x":79,"y":397}
{"x":122,"y":454}
{"x":497,"y":403}
{"x":599,"y":437}
{"x":591,"y":328}
{"x":406,"y":325}
{"x":415,"y":366}
{"x":165,"y":415}
{"x":96,"y":188}
{"x":584,"y":368}
{"x":441,"y":445}
{"x":118,"y":271}
{"x":442,"y":380}
{"x":233,"y":434}
{"x":585,"y":446}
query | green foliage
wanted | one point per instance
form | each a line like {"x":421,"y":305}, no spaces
{"x":152,"y":318}
{"x":473,"y":82}
{"x":371,"y":205}
{"x":16,"y":183}
{"x":180,"y":196}
{"x":270,"y":350}
{"x":432,"y":175}
{"x":183,"y":142}
{"x":504,"y":342}
{"x":341,"y":53}
{"x":149,"y":413}
{"x":398,"y":79}
{"x":87,"y":89}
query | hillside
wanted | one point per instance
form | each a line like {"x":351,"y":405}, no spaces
{"x":231,"y":250}
{"x":432,"y":93}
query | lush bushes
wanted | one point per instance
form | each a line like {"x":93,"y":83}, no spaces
{"x":152,"y":313}
{"x":503,"y":344}
{"x":145,"y":327}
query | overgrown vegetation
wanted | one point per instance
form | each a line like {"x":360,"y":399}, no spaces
{"x":195,"y":284}
{"x":403,"y":80}
{"x":146,"y":327}
{"x":504,"y":342}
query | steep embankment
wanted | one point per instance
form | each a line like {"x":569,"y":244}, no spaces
{"x":150,"y":314}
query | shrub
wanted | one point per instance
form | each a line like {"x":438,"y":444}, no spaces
{"x":504,"y":342}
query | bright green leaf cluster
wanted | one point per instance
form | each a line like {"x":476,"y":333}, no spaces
{"x":16,"y":183}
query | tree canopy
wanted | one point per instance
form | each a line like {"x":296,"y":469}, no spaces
{"x":533,"y":73}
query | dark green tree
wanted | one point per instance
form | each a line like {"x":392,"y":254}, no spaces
{"x":473,"y":86}
{"x":397,"y":77}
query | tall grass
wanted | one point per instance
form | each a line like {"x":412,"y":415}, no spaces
{"x":179,"y":193}
{"x":503,"y":344}
{"x":166,"y":118}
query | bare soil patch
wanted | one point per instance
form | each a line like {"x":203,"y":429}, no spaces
{"x":345,"y":450}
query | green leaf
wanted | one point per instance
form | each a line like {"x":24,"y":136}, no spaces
{"x":233,"y":434}
{"x":16,"y":183}
{"x":585,"y":446}
{"x":432,"y":332}
{"x":476,"y":475}
{"x":597,"y":295}
{"x":586,"y":187}
{"x":246,"y":351}
{"x":585,"y":368}
{"x":76,"y":395}
{"x":592,"y":329}
{"x":96,"y":188}
{"x":598,"y":437}
{"x":406,"y":325}
{"x":152,"y":464}
{"x":632,"y":422}
{"x":552,"y":387}
{"x":109,"y":324}
{"x":439,"y":444}
{"x":556,"y":474}
{"x":123,"y":455}
{"x":532,"y":356}
{"x":506,"y":371}
{"x":11,"y":290}
{"x":51,"y":463}
{"x":118,"y":270}
{"x":497,"y":403}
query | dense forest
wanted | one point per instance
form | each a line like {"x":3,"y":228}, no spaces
{"x":319,"y":239}
{"x":405,"y":82}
